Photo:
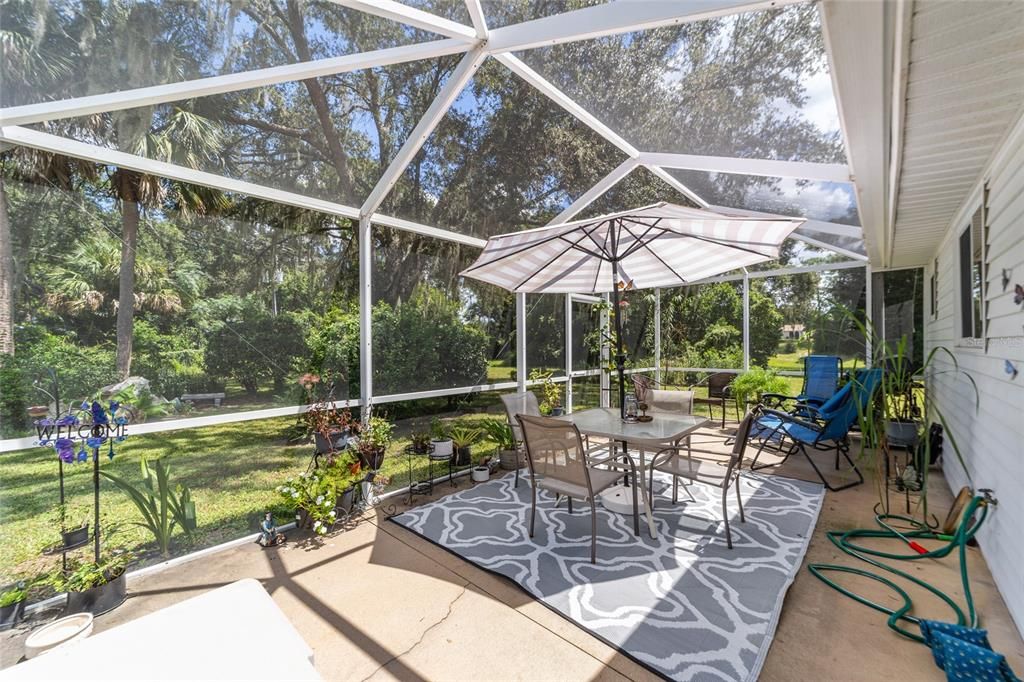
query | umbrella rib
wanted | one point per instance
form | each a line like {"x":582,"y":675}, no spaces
{"x":662,"y":261}
{"x":552,"y":260}
{"x":639,"y":241}
{"x":524,"y":247}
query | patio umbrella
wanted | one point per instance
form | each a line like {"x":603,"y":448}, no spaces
{"x":655,"y":246}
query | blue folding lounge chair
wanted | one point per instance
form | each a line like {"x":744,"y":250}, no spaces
{"x":825,"y":428}
{"x":821,"y":381}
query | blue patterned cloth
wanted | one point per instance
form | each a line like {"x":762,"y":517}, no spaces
{"x":965,"y":654}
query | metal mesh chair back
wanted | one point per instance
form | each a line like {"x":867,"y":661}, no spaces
{"x":520,"y":403}
{"x":555,"y":450}
{"x":675,"y":402}
{"x":739,"y":445}
{"x":642,"y":384}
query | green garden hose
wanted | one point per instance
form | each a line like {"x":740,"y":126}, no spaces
{"x":845,"y":541}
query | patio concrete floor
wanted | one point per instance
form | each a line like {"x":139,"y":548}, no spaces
{"x":377,"y":602}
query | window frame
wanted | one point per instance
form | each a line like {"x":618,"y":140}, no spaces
{"x":971,"y":285}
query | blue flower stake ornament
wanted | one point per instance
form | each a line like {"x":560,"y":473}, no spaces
{"x":91,"y":427}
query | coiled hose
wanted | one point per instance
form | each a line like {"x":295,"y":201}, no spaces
{"x":846,"y":542}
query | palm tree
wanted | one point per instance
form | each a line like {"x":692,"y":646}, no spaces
{"x":178,"y":136}
{"x":31,"y":66}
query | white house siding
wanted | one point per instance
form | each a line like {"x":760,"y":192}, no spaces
{"x":991,"y":439}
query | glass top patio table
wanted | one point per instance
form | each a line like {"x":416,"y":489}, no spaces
{"x":663,"y":429}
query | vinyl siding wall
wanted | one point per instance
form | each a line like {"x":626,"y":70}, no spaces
{"x":991,"y":438}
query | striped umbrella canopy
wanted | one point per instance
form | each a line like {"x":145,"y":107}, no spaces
{"x":661,"y":245}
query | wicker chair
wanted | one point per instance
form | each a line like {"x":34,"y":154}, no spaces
{"x":719,"y":473}
{"x":559,"y":464}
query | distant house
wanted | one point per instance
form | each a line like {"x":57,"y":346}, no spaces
{"x":792,"y":332}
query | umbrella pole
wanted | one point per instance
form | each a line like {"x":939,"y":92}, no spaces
{"x":620,"y":354}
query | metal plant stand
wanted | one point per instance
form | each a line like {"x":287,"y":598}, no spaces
{"x":427,"y":487}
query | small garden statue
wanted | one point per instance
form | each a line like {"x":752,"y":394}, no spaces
{"x":268,"y":532}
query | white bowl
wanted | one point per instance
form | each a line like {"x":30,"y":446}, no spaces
{"x":58,"y":633}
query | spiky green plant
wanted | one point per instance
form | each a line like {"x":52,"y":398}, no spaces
{"x":162,"y":506}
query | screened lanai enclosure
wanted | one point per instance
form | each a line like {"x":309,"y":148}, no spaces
{"x":221,"y":198}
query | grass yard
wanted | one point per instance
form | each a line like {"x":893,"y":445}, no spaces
{"x":232,"y":470}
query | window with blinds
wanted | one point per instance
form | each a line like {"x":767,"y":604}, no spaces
{"x":972,"y":276}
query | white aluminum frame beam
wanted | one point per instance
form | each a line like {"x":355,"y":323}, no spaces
{"x":858,"y":52}
{"x":821,"y":226}
{"x":365,"y":244}
{"x":519,"y":67}
{"x":614,"y":18}
{"x":476,"y":15}
{"x":404,"y":14}
{"x":828,"y":247}
{"x":202,"y":87}
{"x":673,"y":182}
{"x":431,"y":118}
{"x":90,"y":152}
{"x":804,"y":170}
{"x":592,"y":194}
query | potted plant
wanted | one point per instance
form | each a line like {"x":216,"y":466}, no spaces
{"x":420,"y":442}
{"x":551,"y":393}
{"x":94,"y":586}
{"x":463,"y":438}
{"x":482,"y":471}
{"x":500,"y":432}
{"x":374,"y":440}
{"x":439,"y":438}
{"x":12,"y":604}
{"x":77,"y":535}
{"x":756,"y":382}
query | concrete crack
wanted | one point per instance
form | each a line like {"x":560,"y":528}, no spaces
{"x":451,"y":605}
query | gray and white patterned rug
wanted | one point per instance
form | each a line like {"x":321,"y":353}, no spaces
{"x":684,"y":606}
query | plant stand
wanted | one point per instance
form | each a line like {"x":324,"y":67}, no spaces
{"x":427,"y":487}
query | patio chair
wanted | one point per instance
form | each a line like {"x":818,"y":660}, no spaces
{"x":658,"y":399}
{"x":719,"y":392}
{"x":519,"y":403}
{"x":825,"y":428}
{"x":718,"y":472}
{"x":821,"y":381}
{"x":558,"y":463}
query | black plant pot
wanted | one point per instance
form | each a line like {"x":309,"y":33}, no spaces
{"x":76,"y":537}
{"x":557,"y":411}
{"x":97,"y":600}
{"x":463,"y":456}
{"x":372,"y":462}
{"x":338,"y":441}
{"x":10,"y":615}
{"x":902,"y":434}
{"x":344,"y":503}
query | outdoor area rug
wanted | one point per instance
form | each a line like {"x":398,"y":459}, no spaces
{"x":685,"y":606}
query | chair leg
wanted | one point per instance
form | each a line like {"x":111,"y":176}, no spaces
{"x":675,"y":490}
{"x":533,"y":507}
{"x":593,"y":531}
{"x":570,"y":504}
{"x":723,"y":413}
{"x":725,"y":515}
{"x":740,"y":500}
{"x":636,"y":509}
{"x":860,"y":476}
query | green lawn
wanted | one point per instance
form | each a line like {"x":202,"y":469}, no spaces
{"x":497,"y":371}
{"x":232,"y":470}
